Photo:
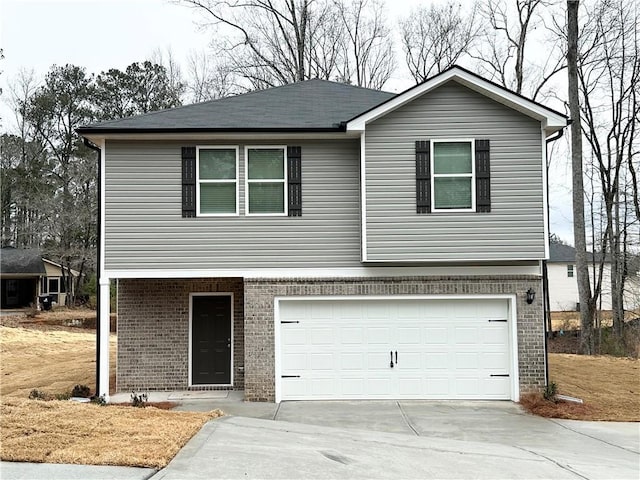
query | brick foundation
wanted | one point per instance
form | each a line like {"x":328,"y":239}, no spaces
{"x":153,"y":332}
{"x":259,"y":321}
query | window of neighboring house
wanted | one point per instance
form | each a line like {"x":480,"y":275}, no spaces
{"x":54,"y":285}
{"x":266,"y":180}
{"x":217,"y":181}
{"x":570,"y":271}
{"x":452,"y":182}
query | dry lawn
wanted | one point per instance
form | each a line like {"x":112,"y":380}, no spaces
{"x":69,"y":432}
{"x":53,"y":361}
{"x":609,"y":386}
{"x":49,"y":360}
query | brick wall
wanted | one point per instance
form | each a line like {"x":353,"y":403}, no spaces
{"x":153,"y":331}
{"x":259,"y":321}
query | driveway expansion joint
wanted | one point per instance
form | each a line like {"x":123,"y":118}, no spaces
{"x":592,"y":437}
{"x":564,"y":467}
{"x":406,"y":419}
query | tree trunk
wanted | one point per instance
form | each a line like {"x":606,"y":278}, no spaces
{"x":587,"y":305}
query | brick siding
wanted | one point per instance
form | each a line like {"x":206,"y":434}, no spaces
{"x":153,"y":331}
{"x":153,"y":324}
{"x":259,"y":321}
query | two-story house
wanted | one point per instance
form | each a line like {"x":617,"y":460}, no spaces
{"x":325,"y":241}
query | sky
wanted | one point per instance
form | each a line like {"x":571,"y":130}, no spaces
{"x":103,"y":34}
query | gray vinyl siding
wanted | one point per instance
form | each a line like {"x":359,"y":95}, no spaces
{"x":514,"y":229}
{"x":145,"y":228}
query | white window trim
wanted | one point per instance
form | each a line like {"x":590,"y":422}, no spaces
{"x":57,"y":279}
{"x":236,"y":180}
{"x":450,"y":175}
{"x":190,"y":369}
{"x":284,"y":181}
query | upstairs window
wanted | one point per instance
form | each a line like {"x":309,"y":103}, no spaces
{"x":266,"y":180}
{"x":570,"y":271}
{"x":217,"y":181}
{"x":453,"y":184}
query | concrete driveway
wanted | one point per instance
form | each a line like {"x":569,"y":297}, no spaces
{"x":412,"y":439}
{"x":397,"y":440}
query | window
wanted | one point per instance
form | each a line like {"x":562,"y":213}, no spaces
{"x":266,"y":180}
{"x":453,"y":185}
{"x":217,"y":181}
{"x":53,"y":285}
{"x":570,"y":271}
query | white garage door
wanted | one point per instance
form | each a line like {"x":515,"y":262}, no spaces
{"x":394,"y":349}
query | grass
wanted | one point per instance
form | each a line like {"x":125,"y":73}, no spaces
{"x":69,"y":432}
{"x":571,"y":320}
{"x":49,"y":360}
{"x":53,"y":361}
{"x":611,"y":385}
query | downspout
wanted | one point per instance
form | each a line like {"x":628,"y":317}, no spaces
{"x":545,"y":275}
{"x":90,"y":145}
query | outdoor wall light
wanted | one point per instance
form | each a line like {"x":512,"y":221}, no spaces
{"x":531,"y":296}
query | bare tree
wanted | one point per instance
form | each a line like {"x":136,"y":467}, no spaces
{"x":504,"y":54}
{"x":367,"y":51}
{"x":207,"y":79}
{"x":609,"y":79}
{"x":587,"y":304}
{"x":436,"y":37}
{"x":269,"y":41}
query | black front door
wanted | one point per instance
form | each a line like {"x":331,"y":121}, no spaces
{"x":211,"y":340}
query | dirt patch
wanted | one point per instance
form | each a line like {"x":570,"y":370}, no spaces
{"x":535,"y":403}
{"x":69,"y":432}
{"x":60,"y":318}
{"x":609,"y":386}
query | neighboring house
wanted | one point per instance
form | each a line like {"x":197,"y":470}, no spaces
{"x":563,"y":282}
{"x":325,"y":241}
{"x":26,"y":275}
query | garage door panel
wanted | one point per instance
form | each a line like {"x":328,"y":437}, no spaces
{"x":378,"y":335}
{"x":446,"y":349}
{"x":436,"y":360}
{"x":352,"y":361}
{"x":352,"y":336}
{"x":436,"y":336}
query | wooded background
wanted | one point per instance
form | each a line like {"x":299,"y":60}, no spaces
{"x":48,"y":177}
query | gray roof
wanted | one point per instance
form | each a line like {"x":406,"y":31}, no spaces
{"x":312,"y":105}
{"x":566,"y":253}
{"x":21,"y":261}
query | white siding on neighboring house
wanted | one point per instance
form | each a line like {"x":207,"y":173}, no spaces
{"x":563,"y":290}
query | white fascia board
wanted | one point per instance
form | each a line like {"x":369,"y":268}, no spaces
{"x":98,"y":137}
{"x":551,"y":120}
{"x":327,"y":273}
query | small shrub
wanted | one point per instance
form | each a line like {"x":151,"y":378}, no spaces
{"x":550,"y":391}
{"x":139,"y":400}
{"x":62,"y":396}
{"x":99,"y":400}
{"x":36,"y":394}
{"x":81,"y":391}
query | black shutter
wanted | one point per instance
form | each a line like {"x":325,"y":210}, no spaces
{"x":188,"y":181}
{"x":294,"y":179}
{"x":423,"y":176}
{"x":483,"y":176}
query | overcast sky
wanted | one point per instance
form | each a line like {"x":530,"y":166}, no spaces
{"x":103,"y":34}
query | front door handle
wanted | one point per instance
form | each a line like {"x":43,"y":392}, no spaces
{"x":228,"y":343}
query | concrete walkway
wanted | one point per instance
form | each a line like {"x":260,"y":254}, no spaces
{"x":379,"y":439}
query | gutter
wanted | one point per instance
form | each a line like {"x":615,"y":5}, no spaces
{"x":90,"y":145}
{"x":546,"y":316}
